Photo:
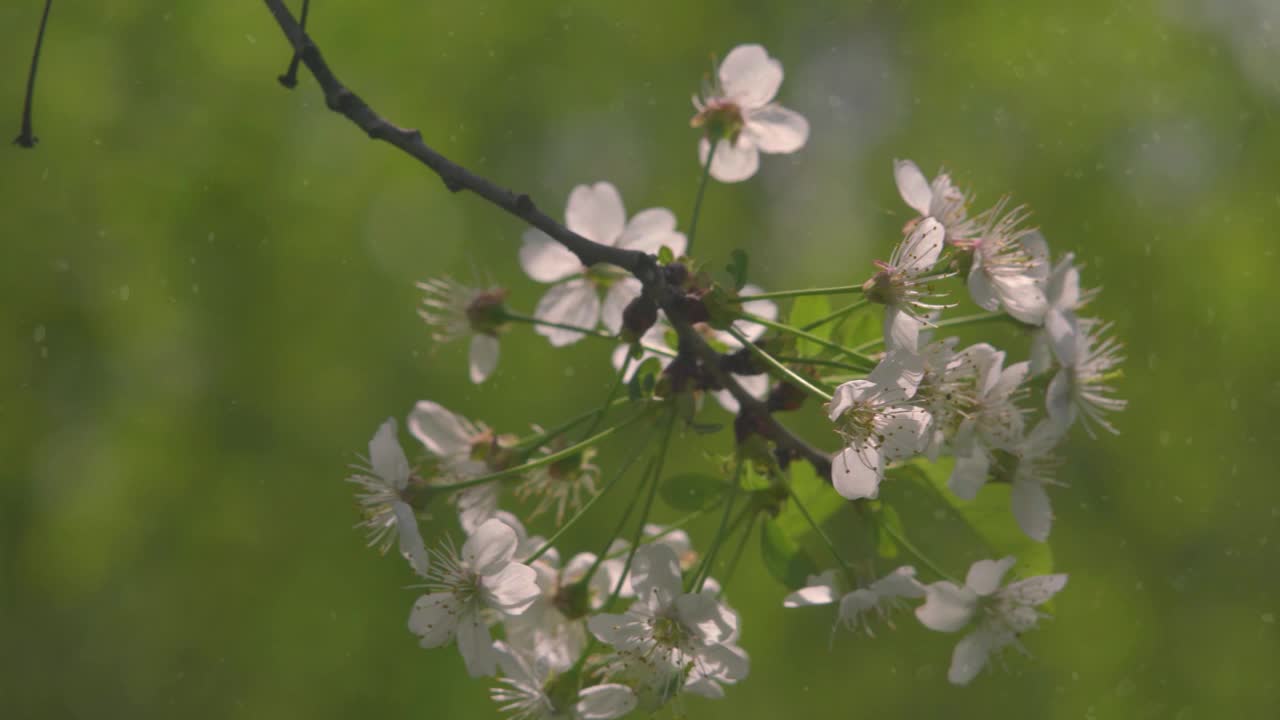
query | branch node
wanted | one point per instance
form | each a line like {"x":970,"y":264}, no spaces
{"x":524,"y":204}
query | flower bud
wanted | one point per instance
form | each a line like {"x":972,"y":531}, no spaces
{"x":639,"y":315}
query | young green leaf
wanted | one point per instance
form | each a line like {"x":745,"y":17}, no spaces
{"x":805,"y":310}
{"x":693,"y":491}
{"x":785,"y":560}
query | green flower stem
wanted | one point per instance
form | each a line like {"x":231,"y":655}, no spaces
{"x":594,"y":332}
{"x":533,"y":442}
{"x":697,"y":198}
{"x":836,"y":314}
{"x":795,"y":498}
{"x":737,"y":552}
{"x":807,"y":336}
{"x":838,"y":290}
{"x":617,"y":476}
{"x":544,"y":460}
{"x":819,"y":361}
{"x":953,"y":322}
{"x":655,"y":481}
{"x":700,"y":578}
{"x":904,"y":542}
{"x":613,"y":392}
{"x":786,"y":372}
{"x":622,"y":522}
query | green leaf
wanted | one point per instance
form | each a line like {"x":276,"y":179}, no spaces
{"x":785,"y":560}
{"x":665,"y":256}
{"x":693,"y":491}
{"x":988,"y":515}
{"x":862,"y":326}
{"x":819,"y":498}
{"x":886,"y":547}
{"x":737,"y":268}
{"x":806,"y":309}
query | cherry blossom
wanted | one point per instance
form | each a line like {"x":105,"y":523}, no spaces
{"x":387,"y":514}
{"x":453,"y":310}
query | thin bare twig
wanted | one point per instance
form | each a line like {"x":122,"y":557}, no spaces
{"x":27,"y":137}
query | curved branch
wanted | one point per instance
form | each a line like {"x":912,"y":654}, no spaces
{"x":456,"y":178}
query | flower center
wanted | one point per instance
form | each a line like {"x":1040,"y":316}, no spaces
{"x":485,"y":312}
{"x":720,"y":118}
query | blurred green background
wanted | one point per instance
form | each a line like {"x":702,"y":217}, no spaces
{"x":207,"y":307}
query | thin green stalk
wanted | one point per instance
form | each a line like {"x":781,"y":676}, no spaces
{"x":786,"y":372}
{"x":904,"y":542}
{"x":648,"y":503}
{"x":538,"y":440}
{"x":613,"y":391}
{"x":700,"y":577}
{"x":544,"y":460}
{"x":697,"y":198}
{"x":617,"y":477}
{"x":594,"y":332}
{"x":780,"y":327}
{"x":837,"y":290}
{"x":953,"y":322}
{"x":821,"y":533}
{"x":737,"y":553}
{"x":835,"y":315}
{"x":622,"y":522}
{"x":819,"y":361}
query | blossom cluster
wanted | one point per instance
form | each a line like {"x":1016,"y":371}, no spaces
{"x":638,"y":620}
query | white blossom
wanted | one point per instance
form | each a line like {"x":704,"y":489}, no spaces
{"x":554,"y":626}
{"x":940,"y":199}
{"x":1032,"y":472}
{"x":1001,"y":613}
{"x":1009,"y":265}
{"x":665,"y":628}
{"x":387,"y":514}
{"x":529,"y":691}
{"x":880,"y":598}
{"x":453,"y":311}
{"x":739,"y":113}
{"x":878,"y":424}
{"x":596,"y":213}
{"x":992,"y":420}
{"x":1064,"y":298}
{"x":905,"y":285}
{"x":1088,"y":357}
{"x":461,"y":446}
{"x":464,"y":586}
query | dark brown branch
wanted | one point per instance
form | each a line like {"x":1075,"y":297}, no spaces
{"x":27,"y":137}
{"x":456,"y":178}
{"x":290,"y":78}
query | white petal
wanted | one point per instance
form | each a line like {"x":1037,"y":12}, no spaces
{"x":1031,"y":509}
{"x":701,"y":612}
{"x":757,"y":386}
{"x":546,"y":260}
{"x":980,"y":287}
{"x":857,"y":475}
{"x":901,"y":330}
{"x":970,"y":656}
{"x":849,"y":394}
{"x":733,"y":162}
{"x":1037,"y":248}
{"x":476,"y":645}
{"x":605,"y":702}
{"x":899,"y":583}
{"x":596,"y":213}
{"x":1022,"y":297}
{"x":900,"y":369}
{"x":1058,"y":400}
{"x":512,"y":589}
{"x":655,"y":575}
{"x":985,"y":575}
{"x":434,"y":619}
{"x":387,"y":457}
{"x":912,"y":186}
{"x":483,"y":356}
{"x":1010,"y":378}
{"x":822,"y":592}
{"x":1064,"y":284}
{"x":970,"y":472}
{"x":571,"y":303}
{"x":1041,"y":355}
{"x":749,"y":76}
{"x":444,"y":434}
{"x":1035,"y":590}
{"x":775,"y":129}
{"x":490,"y":548}
{"x":1042,"y":439}
{"x":947,"y":607}
{"x":920,"y":251}
{"x":411,"y":547}
{"x":766,"y":309}
{"x":651,"y":229}
{"x":1064,"y":333}
{"x":854,"y":604}
{"x":621,"y":631}
{"x":620,"y":294}
{"x":903,"y":433}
